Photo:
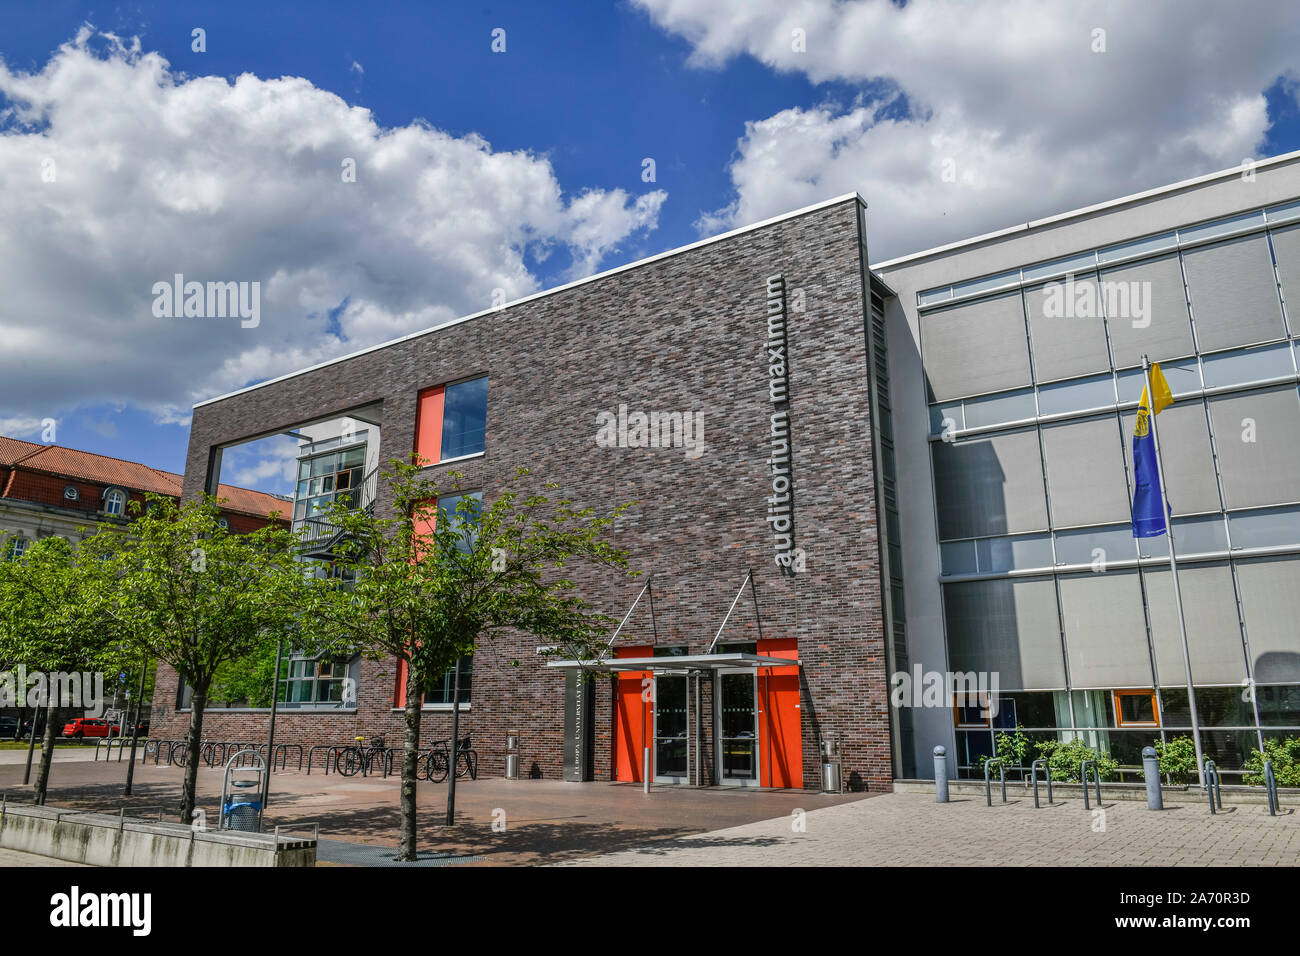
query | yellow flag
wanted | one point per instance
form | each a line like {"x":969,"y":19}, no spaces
{"x":1164,"y":397}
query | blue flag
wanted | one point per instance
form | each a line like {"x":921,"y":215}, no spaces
{"x":1148,"y":504}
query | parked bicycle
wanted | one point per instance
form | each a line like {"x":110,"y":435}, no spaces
{"x":435,"y":763}
{"x":360,"y":757}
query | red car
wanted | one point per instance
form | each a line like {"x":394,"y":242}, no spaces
{"x":90,"y":727}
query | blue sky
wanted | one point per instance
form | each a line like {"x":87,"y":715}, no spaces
{"x":741,"y":125}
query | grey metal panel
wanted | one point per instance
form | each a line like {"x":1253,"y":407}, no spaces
{"x":1258,"y":438}
{"x":1066,"y":347}
{"x":1185,"y":450}
{"x":1233,"y":293}
{"x":1085,"y":472}
{"x":1286,"y":250}
{"x":1105,"y":629}
{"x":1270,"y":602}
{"x":1213,"y":633}
{"x":1010,"y":626}
{"x":990,"y":485}
{"x":976,"y":348}
{"x":1166,"y":330}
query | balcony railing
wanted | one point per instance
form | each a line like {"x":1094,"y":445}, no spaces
{"x":318,"y":533}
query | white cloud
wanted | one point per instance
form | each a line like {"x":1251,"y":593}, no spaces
{"x":156,"y":173}
{"x":1034,"y":121}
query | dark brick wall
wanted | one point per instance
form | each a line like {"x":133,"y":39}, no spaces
{"x":685,"y":333}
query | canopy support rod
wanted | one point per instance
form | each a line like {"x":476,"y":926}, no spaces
{"x":749,"y":578}
{"x":613,"y":637}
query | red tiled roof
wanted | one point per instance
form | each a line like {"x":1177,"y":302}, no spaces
{"x":72,"y":463}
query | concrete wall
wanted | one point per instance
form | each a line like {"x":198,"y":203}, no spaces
{"x":99,"y":839}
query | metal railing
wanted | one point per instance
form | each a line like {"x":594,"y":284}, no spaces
{"x":316,"y":530}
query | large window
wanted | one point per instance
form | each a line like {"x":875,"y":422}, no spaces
{"x":114,"y":501}
{"x":441,"y":689}
{"x":326,"y":478}
{"x":463,"y":511}
{"x":464,"y":418}
{"x":14,"y":548}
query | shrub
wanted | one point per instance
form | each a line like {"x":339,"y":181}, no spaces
{"x":1064,"y":758}
{"x":1011,"y":747}
{"x":1285,"y":755}
{"x":1177,"y":758}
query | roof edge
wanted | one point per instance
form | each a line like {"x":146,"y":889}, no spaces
{"x":793,"y":214}
{"x":1084,"y":211}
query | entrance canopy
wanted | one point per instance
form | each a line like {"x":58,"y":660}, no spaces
{"x":689,"y":662}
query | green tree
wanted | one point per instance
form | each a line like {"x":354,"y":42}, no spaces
{"x":193,"y":594}
{"x":54,"y":622}
{"x":431,"y":584}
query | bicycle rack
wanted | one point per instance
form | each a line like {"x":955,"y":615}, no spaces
{"x":1270,"y":786}
{"x":988,"y":785}
{"x":1047,"y":775}
{"x":1212,"y":784}
{"x":311,"y":752}
{"x":282,"y":755}
{"x":1083,"y":779}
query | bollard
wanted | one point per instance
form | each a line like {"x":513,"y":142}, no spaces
{"x":940,"y":775}
{"x":1270,"y":787}
{"x":645,"y":769}
{"x":1151,"y":773}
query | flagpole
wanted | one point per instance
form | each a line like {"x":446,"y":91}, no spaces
{"x":1173,"y":568}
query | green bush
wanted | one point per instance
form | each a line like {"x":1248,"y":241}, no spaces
{"x":1177,"y":759}
{"x":1011,"y":747}
{"x":1285,"y":755}
{"x":1064,"y":759}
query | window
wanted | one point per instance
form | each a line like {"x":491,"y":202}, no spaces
{"x":15,"y":547}
{"x":114,"y":501}
{"x":1136,"y":708}
{"x":450,"y":509}
{"x":316,"y":681}
{"x":71,"y":493}
{"x":324,"y":479}
{"x":970,"y":715}
{"x":464,"y":419}
{"x":223,"y":524}
{"x":441,"y":690}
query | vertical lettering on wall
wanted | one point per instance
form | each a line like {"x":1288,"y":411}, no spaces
{"x":780,"y":505}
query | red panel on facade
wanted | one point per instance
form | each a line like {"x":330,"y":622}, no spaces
{"x":428,"y":425}
{"x":631,"y":718}
{"x":780,"y":739}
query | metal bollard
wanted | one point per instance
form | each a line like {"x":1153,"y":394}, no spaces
{"x":1151,"y":773}
{"x":940,"y":775}
{"x":645,"y":769}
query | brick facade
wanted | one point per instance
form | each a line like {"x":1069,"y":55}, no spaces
{"x":684,"y":332}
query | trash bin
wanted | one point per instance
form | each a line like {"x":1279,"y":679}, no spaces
{"x":244,"y":816}
{"x":512,"y":757}
{"x":831,"y":767}
{"x":241,"y":792}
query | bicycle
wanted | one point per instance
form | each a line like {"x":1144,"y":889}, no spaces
{"x":360,"y":757}
{"x":437,"y":761}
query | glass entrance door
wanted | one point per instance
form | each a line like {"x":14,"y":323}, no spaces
{"x":670,"y":729}
{"x":738,"y":727}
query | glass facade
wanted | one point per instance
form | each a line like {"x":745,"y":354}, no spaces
{"x":1033,"y":380}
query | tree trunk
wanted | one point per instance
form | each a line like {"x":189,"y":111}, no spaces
{"x":47,"y":744}
{"x":193,"y":746}
{"x":410,"y":760}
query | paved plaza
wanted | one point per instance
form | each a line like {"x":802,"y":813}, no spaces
{"x":531,"y":822}
{"x":911,"y":829}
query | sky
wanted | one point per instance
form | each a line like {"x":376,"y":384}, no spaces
{"x":380,"y":168}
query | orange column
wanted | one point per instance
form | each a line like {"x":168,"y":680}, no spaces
{"x":780,"y":738}
{"x":632,"y":718}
